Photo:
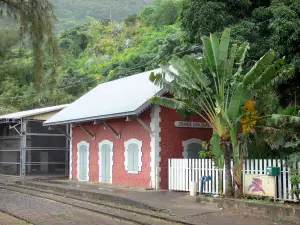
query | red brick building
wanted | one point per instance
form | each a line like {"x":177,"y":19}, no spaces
{"x":118,"y":136}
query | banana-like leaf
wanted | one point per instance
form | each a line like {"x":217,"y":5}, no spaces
{"x":265,"y":78}
{"x":216,"y":149}
{"x":209,"y":55}
{"x":224,"y":45}
{"x":168,"y":102}
{"x":159,"y":80}
{"x":237,"y":99}
{"x":193,"y":66}
{"x":216,"y":51}
{"x":259,"y":67}
{"x":230,"y":61}
{"x":241,"y":53}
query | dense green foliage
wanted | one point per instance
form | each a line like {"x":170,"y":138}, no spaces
{"x":35,"y":20}
{"x":70,"y":13}
{"x":96,"y":51}
{"x":264,"y":24}
{"x":146,"y":32}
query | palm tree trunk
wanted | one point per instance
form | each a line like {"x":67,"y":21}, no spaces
{"x":238,"y":164}
{"x":228,"y":176}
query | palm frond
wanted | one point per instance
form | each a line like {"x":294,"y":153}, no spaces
{"x":237,"y":99}
{"x":168,"y":102}
{"x":230,"y":61}
{"x":259,"y":68}
{"x":241,"y":53}
{"x":224,"y":45}
{"x":215,"y":143}
{"x":209,"y":55}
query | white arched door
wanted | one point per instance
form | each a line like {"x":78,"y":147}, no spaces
{"x":105,"y":161}
{"x":83,"y":161}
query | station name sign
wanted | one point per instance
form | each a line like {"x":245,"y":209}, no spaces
{"x":191,"y":124}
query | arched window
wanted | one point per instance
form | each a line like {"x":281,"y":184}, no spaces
{"x":191,"y":148}
{"x":133,"y":156}
{"x":83,"y":158}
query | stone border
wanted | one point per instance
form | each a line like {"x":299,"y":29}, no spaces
{"x":259,"y":209}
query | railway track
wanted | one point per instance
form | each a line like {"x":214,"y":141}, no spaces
{"x":121,"y":212}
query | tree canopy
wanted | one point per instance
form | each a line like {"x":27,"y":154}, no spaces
{"x":35,"y":18}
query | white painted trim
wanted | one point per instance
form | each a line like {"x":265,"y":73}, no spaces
{"x":186,"y":143}
{"x":155,"y":147}
{"x":70,"y":152}
{"x":111,"y":145}
{"x":88,"y":159}
{"x":139,"y":144}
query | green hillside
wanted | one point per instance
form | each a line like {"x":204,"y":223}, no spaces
{"x":71,"y":12}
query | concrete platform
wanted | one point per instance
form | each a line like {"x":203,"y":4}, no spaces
{"x":176,"y":203}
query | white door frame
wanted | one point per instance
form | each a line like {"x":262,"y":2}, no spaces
{"x":186,"y":143}
{"x":88,"y":159}
{"x":111,"y":145}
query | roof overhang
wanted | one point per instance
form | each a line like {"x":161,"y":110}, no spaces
{"x":90,"y":119}
{"x":137,"y":112}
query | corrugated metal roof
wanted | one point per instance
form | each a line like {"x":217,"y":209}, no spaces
{"x":118,"y":98}
{"x":29,"y":113}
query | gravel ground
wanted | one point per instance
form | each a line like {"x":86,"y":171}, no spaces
{"x":230,"y":218}
{"x":6,"y":219}
{"x":42,"y":211}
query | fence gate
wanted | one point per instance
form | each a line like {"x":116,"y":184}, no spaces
{"x":184,"y":171}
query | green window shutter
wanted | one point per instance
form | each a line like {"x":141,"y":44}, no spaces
{"x":131,"y":157}
{"x":83,"y":162}
{"x":135,"y":158}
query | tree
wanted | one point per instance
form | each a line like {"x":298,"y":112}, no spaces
{"x":217,"y":88}
{"x":164,"y":12}
{"x":36,"y":21}
{"x":264,"y":24}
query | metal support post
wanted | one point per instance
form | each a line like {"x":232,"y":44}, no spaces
{"x":23,"y":148}
{"x":68,"y":140}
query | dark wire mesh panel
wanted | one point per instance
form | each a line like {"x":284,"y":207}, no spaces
{"x":51,"y":142}
{"x":37,"y":127}
{"x":10,"y":169}
{"x":46,"y":151}
{"x":9,"y":150}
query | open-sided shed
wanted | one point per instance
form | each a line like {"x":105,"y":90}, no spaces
{"x":27,"y":148}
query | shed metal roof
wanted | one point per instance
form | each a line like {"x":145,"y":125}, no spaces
{"x":118,"y":98}
{"x":34,"y":112}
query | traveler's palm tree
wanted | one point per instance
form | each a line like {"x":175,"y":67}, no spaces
{"x":215,"y":88}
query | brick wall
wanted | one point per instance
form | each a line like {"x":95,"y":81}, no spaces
{"x":172,"y":137}
{"x":128,"y":130}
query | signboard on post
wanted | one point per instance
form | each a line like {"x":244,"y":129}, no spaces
{"x":189,"y":124}
{"x":259,"y":185}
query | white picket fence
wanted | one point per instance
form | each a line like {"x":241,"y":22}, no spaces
{"x":184,"y":171}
